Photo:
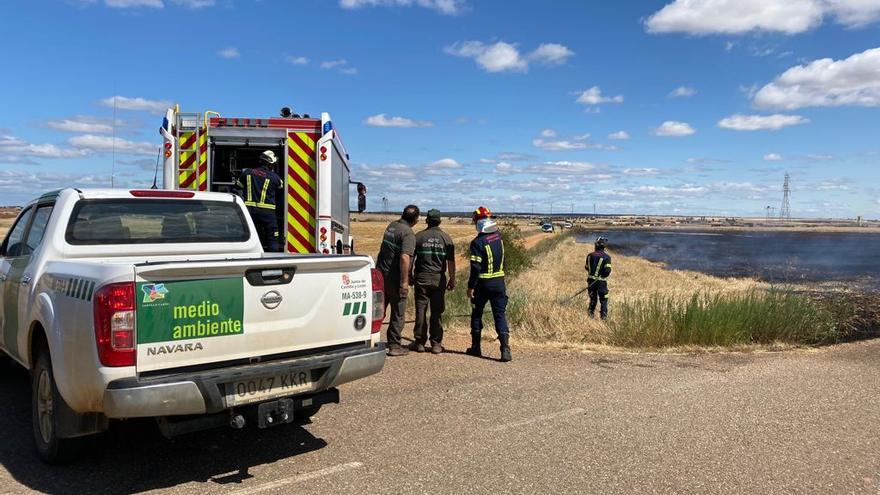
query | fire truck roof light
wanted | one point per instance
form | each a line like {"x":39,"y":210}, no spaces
{"x":159,"y":193}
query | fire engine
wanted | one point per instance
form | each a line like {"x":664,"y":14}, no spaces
{"x":206,"y":151}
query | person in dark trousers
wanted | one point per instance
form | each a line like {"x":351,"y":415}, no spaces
{"x":259,"y":187}
{"x":598,"y":267}
{"x":395,"y":255}
{"x":435,"y":256}
{"x":486,"y":282}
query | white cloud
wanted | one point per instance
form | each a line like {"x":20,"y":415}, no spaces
{"x":157,"y":107}
{"x":341,"y":65}
{"x":229,"y":52}
{"x":498,"y":57}
{"x":383,"y":120}
{"x":683,"y":92}
{"x":127,"y":4}
{"x":641,"y":171}
{"x":773,"y":122}
{"x":854,"y":81}
{"x":619,"y":136}
{"x":593,"y":96}
{"x":296,"y":60}
{"x":82,"y":123}
{"x":548,"y":141}
{"x":672,"y":128}
{"x":396,"y":171}
{"x":194,"y":4}
{"x":551,"y":54}
{"x":702,"y":17}
{"x":331,"y":64}
{"x":564,"y":167}
{"x":504,"y":168}
{"x":448,"y":7}
{"x":12,"y":149}
{"x":92,"y":143}
{"x":506,"y":57}
{"x":773,"y":157}
{"x":442,"y":167}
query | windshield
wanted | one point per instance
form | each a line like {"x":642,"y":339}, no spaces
{"x":151,"y":221}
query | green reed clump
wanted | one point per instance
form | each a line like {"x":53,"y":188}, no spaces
{"x":755,"y":317}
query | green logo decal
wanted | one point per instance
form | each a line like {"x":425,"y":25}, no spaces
{"x":153,"y":292}
{"x":355,"y":308}
{"x":192,"y":309}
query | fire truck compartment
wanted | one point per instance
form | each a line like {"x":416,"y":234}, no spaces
{"x":229,"y":159}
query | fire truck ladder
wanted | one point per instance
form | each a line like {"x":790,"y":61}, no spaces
{"x":190,"y":154}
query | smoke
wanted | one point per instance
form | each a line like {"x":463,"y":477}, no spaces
{"x":775,"y":257}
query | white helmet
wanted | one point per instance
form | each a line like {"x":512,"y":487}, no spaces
{"x":268,"y":156}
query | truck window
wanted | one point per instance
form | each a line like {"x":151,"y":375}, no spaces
{"x":12,"y":246}
{"x":155,"y":221}
{"x":38,"y":229}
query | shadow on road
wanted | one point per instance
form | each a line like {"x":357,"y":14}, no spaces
{"x":133,"y":457}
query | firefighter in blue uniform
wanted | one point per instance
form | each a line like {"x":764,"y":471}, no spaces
{"x":486,"y":282}
{"x":598,"y":267}
{"x":259,"y":187}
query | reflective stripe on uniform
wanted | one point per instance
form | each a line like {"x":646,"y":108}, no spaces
{"x":262,"y":202}
{"x":249,"y":198}
{"x":478,"y":259}
{"x":597,"y":271}
{"x":490,"y":264}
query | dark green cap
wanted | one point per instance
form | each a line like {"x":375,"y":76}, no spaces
{"x":433,"y":214}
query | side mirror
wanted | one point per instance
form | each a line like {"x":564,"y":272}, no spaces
{"x":362,"y":197}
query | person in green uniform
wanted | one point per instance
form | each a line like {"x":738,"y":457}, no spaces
{"x":434,"y":258}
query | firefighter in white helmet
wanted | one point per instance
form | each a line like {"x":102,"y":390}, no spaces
{"x":259,"y":187}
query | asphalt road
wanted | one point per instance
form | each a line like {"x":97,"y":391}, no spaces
{"x":549,"y":422}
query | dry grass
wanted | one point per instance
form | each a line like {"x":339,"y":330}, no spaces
{"x":548,"y":309}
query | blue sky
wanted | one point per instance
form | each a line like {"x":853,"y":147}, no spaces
{"x":667,"y":106}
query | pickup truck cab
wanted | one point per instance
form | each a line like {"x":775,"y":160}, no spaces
{"x":154,"y":303}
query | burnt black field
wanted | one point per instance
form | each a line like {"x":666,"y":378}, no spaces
{"x":775,"y":257}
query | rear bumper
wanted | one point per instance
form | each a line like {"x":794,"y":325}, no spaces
{"x":204,"y":392}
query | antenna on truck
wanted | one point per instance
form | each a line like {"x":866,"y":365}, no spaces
{"x":113,"y":165}
{"x":156,"y":173}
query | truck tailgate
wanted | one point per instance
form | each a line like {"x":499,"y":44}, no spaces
{"x":194,"y":313}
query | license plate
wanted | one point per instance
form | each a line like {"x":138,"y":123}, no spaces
{"x":268,"y":387}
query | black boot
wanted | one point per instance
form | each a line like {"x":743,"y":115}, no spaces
{"x":474,"y":349}
{"x":504,"y":340}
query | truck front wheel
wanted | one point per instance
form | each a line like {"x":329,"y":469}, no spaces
{"x":45,"y":401}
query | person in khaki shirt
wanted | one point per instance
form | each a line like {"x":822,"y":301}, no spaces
{"x":435,"y":256}
{"x":395,"y":255}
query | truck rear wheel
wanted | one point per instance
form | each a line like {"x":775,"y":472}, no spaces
{"x":45,"y":401}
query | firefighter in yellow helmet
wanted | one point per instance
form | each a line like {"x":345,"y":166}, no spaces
{"x":259,"y":187}
{"x":486,"y":282}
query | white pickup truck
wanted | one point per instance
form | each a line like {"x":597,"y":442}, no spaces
{"x":155,"y":303}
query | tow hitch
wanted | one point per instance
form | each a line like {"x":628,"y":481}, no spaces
{"x":275,"y":413}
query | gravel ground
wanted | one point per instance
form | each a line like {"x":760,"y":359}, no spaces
{"x":549,"y":422}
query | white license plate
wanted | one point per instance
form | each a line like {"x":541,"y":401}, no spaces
{"x":268,"y":387}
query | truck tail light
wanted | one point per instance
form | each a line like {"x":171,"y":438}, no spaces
{"x":378,"y":300}
{"x":114,"y":324}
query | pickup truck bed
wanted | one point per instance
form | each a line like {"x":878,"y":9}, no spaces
{"x":136,"y":304}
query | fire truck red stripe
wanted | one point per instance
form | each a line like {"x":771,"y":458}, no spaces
{"x":301,"y":201}
{"x":299,"y":180}
{"x":299,"y":161}
{"x":302,"y":144}
{"x":189,"y":142}
{"x":306,"y":244}
{"x":189,"y":161}
{"x":188,"y":182}
{"x":304,"y":241}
